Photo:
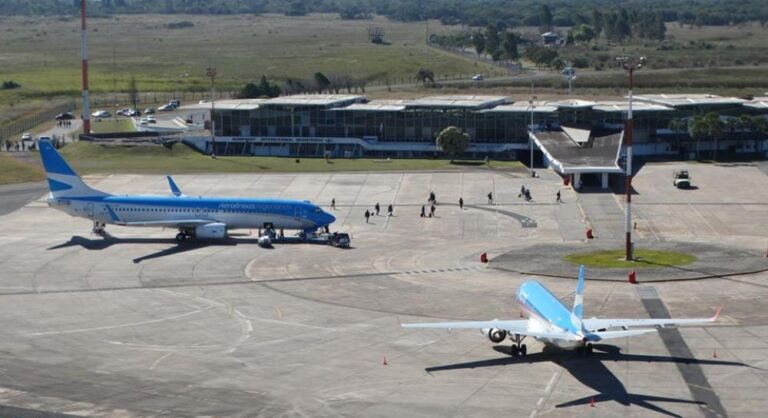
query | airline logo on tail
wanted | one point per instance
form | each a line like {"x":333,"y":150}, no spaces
{"x":62,"y":179}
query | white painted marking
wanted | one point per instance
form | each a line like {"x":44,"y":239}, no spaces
{"x":132,"y":324}
{"x":152,"y":367}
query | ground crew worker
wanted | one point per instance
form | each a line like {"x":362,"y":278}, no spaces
{"x":367,"y":215}
{"x":461,"y":203}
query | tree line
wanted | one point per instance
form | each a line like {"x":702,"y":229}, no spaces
{"x":319,"y":83}
{"x":466,"y":12}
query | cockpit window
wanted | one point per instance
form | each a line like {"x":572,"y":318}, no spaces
{"x":317,"y":210}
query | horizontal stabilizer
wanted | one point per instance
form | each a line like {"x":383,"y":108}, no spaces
{"x":607,"y":323}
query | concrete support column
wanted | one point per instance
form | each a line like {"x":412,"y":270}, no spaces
{"x":576,"y":180}
{"x":605,"y":180}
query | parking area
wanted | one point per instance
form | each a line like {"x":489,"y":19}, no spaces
{"x":136,"y":325}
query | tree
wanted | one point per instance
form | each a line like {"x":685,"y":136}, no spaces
{"x":716,"y":128}
{"x":425,"y":74}
{"x":597,"y":21}
{"x":452,"y":141}
{"x":584,"y":33}
{"x":622,"y":27}
{"x":708,"y":126}
{"x":322,"y":82}
{"x":509,"y":42}
{"x":569,"y":41}
{"x":545,"y":19}
{"x":478,"y":39}
{"x":492,"y":42}
{"x":133,"y":92}
{"x":676,"y":125}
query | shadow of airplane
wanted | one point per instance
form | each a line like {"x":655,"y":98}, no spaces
{"x":591,"y":372}
{"x":107,"y":241}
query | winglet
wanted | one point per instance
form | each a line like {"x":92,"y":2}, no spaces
{"x":174,"y":188}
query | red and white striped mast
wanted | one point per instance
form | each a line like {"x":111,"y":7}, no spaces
{"x":84,"y":56}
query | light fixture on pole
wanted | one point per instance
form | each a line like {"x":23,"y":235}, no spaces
{"x":630,"y":64}
{"x":211,"y":72}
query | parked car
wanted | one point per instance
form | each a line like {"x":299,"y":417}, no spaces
{"x":478,"y":77}
{"x":122,"y":112}
{"x":175,"y":102}
{"x":149,"y":111}
{"x":65,"y":116}
{"x":101,"y":114}
{"x":133,"y":112}
{"x":26,"y":136}
{"x":152,"y":119}
{"x":167,"y":107}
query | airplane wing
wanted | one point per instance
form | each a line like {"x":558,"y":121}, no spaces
{"x":607,"y":323}
{"x":607,"y":335}
{"x":513,"y":327}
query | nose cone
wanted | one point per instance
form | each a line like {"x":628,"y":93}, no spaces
{"x":325,"y":219}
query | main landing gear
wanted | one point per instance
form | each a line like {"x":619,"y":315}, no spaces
{"x":585,"y":350}
{"x":518,"y":349}
{"x":185,"y":234}
{"x":98,"y":228}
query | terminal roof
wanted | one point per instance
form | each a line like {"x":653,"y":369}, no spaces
{"x":316,"y":100}
{"x":569,"y":152}
{"x":623,"y":106}
{"x":238,"y":104}
{"x":466,"y":101}
{"x":378,"y":105}
{"x":676,"y":100}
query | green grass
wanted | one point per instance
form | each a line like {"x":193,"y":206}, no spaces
{"x":42,"y":54}
{"x":87,"y":157}
{"x":643,"y":259}
{"x":112,"y":125}
{"x":15,"y":171}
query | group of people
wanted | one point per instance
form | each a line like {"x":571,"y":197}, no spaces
{"x":368,"y":213}
{"x":64,"y":123}
{"x":432,"y":201}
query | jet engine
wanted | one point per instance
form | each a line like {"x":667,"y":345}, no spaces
{"x":213,"y":230}
{"x":494,"y":334}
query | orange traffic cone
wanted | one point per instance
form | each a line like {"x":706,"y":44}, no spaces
{"x":385,"y":360}
{"x":592,"y":402}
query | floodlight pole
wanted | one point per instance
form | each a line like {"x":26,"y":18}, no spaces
{"x":530,"y":133}
{"x":211,"y":72}
{"x":84,"y":63}
{"x":631,"y":65}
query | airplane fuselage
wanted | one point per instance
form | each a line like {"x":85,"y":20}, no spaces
{"x":547,"y":314}
{"x":233,"y":212}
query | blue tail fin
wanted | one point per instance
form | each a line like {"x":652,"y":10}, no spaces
{"x":577,"y":314}
{"x":62,"y":179}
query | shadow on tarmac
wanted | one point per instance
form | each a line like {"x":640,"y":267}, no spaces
{"x":591,"y":372}
{"x":107,"y":241}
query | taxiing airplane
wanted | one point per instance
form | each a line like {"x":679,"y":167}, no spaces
{"x":551,"y":323}
{"x":193,"y":216}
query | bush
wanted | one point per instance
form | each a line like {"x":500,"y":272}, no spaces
{"x":581,"y":62}
{"x":8,"y":85}
{"x":179,"y":25}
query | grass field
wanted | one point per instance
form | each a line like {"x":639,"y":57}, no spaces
{"x":15,"y":171}
{"x":643,"y":259}
{"x":43,"y":53}
{"x":112,"y":125}
{"x":87,"y":157}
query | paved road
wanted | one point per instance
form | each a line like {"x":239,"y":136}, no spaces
{"x":15,"y":196}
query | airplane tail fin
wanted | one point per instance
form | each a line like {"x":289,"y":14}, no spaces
{"x":577,"y":314}
{"x":63,"y":181}
{"x":174,"y":188}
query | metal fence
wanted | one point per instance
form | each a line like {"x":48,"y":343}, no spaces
{"x":8,"y":130}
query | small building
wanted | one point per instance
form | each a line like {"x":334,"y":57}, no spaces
{"x":550,"y":38}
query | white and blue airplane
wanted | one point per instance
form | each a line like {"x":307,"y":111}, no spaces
{"x":551,"y":323}
{"x":193,"y":216}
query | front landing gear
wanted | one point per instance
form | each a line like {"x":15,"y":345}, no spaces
{"x":98,"y":228}
{"x":518,"y":349}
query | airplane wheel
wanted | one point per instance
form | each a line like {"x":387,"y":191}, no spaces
{"x":523,"y":350}
{"x":513,"y":350}
{"x":589,"y":349}
{"x":180,"y":237}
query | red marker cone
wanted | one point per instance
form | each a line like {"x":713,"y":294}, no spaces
{"x":385,"y":360}
{"x":592,"y":402}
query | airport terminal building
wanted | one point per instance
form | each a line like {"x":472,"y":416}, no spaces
{"x":500,"y":127}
